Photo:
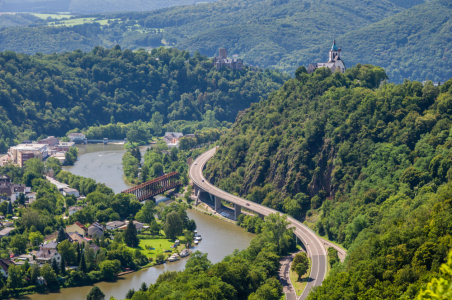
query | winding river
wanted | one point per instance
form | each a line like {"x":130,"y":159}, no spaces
{"x":103,"y":163}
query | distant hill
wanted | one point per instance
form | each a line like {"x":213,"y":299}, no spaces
{"x":409,"y":43}
{"x":415,"y":44}
{"x":89,"y":6}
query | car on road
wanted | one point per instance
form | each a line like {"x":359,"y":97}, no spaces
{"x":196,"y":163}
{"x":203,"y":180}
{"x":247,"y":204}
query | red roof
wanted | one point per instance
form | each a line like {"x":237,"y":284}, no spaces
{"x":80,"y":225}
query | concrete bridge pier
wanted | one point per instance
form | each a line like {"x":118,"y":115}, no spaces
{"x":237,"y":211}
{"x":261,"y":216}
{"x":217,"y":204}
{"x":196,"y":189}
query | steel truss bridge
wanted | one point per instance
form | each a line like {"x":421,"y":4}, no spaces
{"x":155,"y":187}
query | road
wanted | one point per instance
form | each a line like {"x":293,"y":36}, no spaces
{"x":314,"y":245}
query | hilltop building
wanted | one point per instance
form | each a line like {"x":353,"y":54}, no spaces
{"x":335,"y":63}
{"x":223,"y":61}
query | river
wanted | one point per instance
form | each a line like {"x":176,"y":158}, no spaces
{"x":103,"y":163}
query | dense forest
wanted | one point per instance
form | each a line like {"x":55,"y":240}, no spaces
{"x":410,"y":39}
{"x":52,"y":94}
{"x":362,"y":161}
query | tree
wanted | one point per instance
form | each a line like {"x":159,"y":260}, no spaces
{"x":67,"y":250}
{"x":198,"y":260}
{"x":49,"y":275}
{"x":130,"y":235}
{"x":276,"y":225}
{"x":130,"y":293}
{"x":146,"y":213}
{"x":439,"y":288}
{"x":55,"y":266}
{"x":109,"y":269}
{"x":35,"y":238}
{"x":14,"y":277}
{"x":21,"y":199}
{"x":144,"y":287}
{"x":34,"y":165}
{"x":9,"y":210}
{"x":270,"y":290}
{"x":62,"y":266}
{"x":300,"y":264}
{"x":61,"y":235}
{"x":95,"y":294}
{"x":35,"y":273}
{"x":173,"y":225}
{"x":188,"y":236}
{"x":82,"y":265}
{"x":19,"y":242}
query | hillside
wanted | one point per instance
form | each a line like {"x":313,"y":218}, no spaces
{"x":89,"y":6}
{"x":281,"y":34}
{"x":361,"y":163}
{"x":52,"y":94}
{"x":414,"y":44}
{"x":262,"y":32}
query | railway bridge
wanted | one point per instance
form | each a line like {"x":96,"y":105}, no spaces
{"x":154,"y":187}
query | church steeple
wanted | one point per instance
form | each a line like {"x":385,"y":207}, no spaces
{"x":334,"y":48}
{"x":335,"y":52}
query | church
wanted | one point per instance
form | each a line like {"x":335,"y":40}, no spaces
{"x":334,"y":63}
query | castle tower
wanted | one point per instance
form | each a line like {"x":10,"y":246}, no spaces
{"x":223,"y":53}
{"x":335,"y":52}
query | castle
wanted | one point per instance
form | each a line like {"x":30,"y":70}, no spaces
{"x":223,"y":61}
{"x":334,"y":63}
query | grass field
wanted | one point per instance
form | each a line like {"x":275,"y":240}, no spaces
{"x":79,"y":21}
{"x":299,"y":285}
{"x":53,"y":16}
{"x":160,"y":245}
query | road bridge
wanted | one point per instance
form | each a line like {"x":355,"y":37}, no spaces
{"x":315,"y":246}
{"x":155,"y":187}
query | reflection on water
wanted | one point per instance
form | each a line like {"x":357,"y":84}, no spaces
{"x":219,"y":238}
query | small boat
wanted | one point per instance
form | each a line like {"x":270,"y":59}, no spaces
{"x":198,"y":238}
{"x":184,"y":253}
{"x":195,"y":232}
{"x":196,"y":242}
{"x":174,"y":257}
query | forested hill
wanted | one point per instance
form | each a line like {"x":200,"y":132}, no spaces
{"x":409,"y":39}
{"x":365,"y":164}
{"x":52,"y":94}
{"x":415,"y":44}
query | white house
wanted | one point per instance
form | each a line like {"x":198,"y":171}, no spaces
{"x":70,"y":191}
{"x":47,"y":255}
{"x":72,"y":210}
{"x":115,"y":225}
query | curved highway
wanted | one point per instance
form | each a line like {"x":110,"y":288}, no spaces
{"x":314,"y":245}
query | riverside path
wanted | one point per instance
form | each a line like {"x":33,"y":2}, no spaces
{"x":315,"y":245}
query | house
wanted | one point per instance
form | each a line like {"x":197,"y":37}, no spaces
{"x":77,"y":227}
{"x":94,"y":247}
{"x":115,"y":225}
{"x":64,"y":146}
{"x":49,"y":245}
{"x":30,"y":197}
{"x":50,"y":140}
{"x":96,"y":229}
{"x":47,"y":255}
{"x":78,"y":138}
{"x":139,"y":226}
{"x":72,"y":210}
{"x":4,"y":265}
{"x":5,"y":231}
{"x":70,"y":191}
{"x":76,"y":237}
{"x":335,"y":62}
{"x":12,"y":190}
{"x":172,"y":138}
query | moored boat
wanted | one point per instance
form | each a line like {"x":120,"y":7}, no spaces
{"x":184,"y":253}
